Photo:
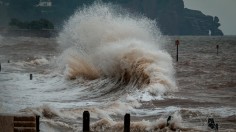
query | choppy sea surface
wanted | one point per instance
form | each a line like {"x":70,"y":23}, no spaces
{"x":121,"y":66}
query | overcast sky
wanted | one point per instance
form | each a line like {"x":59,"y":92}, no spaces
{"x":224,"y":9}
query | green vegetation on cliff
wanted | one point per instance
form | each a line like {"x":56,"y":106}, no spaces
{"x":171,"y":16}
{"x":38,"y":25}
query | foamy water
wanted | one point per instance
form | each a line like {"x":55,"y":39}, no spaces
{"x":111,"y":63}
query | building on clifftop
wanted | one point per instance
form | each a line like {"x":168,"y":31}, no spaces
{"x":45,"y":3}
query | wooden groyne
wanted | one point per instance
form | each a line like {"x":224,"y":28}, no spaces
{"x":19,"y":123}
{"x":30,"y":123}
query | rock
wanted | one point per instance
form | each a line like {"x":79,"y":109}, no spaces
{"x":173,"y":18}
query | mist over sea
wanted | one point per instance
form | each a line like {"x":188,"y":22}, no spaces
{"x":111,"y":63}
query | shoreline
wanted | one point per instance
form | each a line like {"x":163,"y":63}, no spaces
{"x":45,"y":33}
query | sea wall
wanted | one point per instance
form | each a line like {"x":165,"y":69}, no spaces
{"x":28,"y":33}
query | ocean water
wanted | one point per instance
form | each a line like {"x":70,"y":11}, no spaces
{"x":111,"y":63}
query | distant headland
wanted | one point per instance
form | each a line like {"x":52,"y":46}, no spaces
{"x":171,"y":15}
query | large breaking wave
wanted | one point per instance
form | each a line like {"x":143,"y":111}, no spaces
{"x":101,"y":41}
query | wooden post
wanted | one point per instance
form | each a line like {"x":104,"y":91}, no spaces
{"x":0,"y":67}
{"x":216,"y":127}
{"x":31,"y":76}
{"x":37,"y":123}
{"x":86,"y":121}
{"x":211,"y":123}
{"x":177,"y":50}
{"x":127,"y":123}
{"x":169,"y":118}
{"x":217,"y":48}
{"x":18,"y":123}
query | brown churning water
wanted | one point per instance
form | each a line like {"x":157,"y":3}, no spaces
{"x":110,"y":63}
{"x":101,"y":42}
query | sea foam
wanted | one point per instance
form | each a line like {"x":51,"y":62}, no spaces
{"x":100,"y":41}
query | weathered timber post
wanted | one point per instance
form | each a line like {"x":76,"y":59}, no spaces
{"x":177,"y":50}
{"x":31,"y":76}
{"x":86,"y":121}
{"x":127,"y":123}
{"x":217,"y":49}
{"x":168,"y":119}
{"x":37,"y":123}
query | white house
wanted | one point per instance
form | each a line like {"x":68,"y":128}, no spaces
{"x":45,"y":3}
{"x":2,"y":3}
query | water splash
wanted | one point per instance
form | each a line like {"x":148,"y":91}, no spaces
{"x":99,"y":41}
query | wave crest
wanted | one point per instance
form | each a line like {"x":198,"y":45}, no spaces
{"x":102,"y":42}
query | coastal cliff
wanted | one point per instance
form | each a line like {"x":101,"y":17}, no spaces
{"x":174,"y":19}
{"x":171,"y":15}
